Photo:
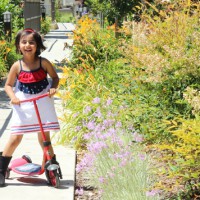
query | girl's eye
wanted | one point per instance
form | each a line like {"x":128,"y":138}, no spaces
{"x":31,"y":42}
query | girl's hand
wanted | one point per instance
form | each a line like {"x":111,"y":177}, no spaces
{"x":52,"y":91}
{"x":15,"y":101}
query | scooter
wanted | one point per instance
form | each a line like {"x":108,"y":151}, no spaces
{"x":24,"y":164}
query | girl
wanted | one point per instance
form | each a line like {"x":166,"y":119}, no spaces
{"x":30,"y":74}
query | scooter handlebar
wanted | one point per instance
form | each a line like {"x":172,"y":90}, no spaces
{"x":35,"y":98}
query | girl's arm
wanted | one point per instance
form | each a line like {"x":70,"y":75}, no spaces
{"x":46,"y":64}
{"x":12,"y":75}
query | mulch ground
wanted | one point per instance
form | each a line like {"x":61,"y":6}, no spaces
{"x":87,"y":192}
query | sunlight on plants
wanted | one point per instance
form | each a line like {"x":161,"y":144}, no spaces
{"x":142,"y":86}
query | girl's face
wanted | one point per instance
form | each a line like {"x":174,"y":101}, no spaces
{"x":27,"y":45}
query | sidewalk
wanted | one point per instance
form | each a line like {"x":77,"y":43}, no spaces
{"x":36,"y":187}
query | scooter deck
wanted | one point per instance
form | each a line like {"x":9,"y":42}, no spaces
{"x":28,"y":169}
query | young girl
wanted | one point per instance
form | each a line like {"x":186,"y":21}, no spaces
{"x":30,"y":75}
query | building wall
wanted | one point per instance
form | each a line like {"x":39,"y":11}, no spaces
{"x":67,"y":3}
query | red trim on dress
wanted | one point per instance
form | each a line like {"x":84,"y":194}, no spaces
{"x":32,"y":76}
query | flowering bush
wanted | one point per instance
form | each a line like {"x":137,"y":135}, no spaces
{"x":147,"y":80}
{"x":92,"y":45}
{"x":114,"y":161}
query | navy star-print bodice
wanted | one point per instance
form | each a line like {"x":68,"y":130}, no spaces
{"x":32,"y":82}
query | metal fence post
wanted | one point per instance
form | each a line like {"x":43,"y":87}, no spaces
{"x":53,"y":10}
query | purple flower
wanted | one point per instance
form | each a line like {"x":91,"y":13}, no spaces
{"x":110,"y":114}
{"x":99,"y":128}
{"x":87,"y":136}
{"x":87,"y":109}
{"x":111,"y":175}
{"x":75,"y":115}
{"x":98,"y":113}
{"x":137,"y":137}
{"x":96,"y":100}
{"x":79,"y":191}
{"x":117,"y":140}
{"x":109,"y":102}
{"x":118,"y":125}
{"x":151,"y":193}
{"x":96,"y":147}
{"x":123,"y":163}
{"x":122,"y":155}
{"x":101,"y":179}
{"x":86,"y":162}
{"x":141,"y":156}
{"x":78,"y":128}
{"x":111,"y":131}
{"x":113,"y":168}
{"x":91,"y":125}
{"x":108,"y":122}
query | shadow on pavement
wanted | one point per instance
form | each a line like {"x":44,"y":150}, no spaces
{"x":4,"y":100}
{"x":35,"y":181}
{"x":5,"y":124}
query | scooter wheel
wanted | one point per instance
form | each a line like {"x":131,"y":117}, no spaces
{"x":54,"y":178}
{"x":27,"y":158}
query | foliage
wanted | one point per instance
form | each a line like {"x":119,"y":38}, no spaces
{"x":65,"y":17}
{"x":112,"y":154}
{"x":82,"y":88}
{"x":45,"y":25}
{"x":149,"y":76}
{"x":7,"y":56}
{"x":7,"y":52}
{"x":3,"y":53}
{"x":157,"y":69}
{"x":93,"y":46}
{"x":113,"y":9}
{"x":182,"y":157}
{"x":192,"y":96}
{"x":2,"y":68}
{"x":165,"y":53}
{"x":16,"y":10}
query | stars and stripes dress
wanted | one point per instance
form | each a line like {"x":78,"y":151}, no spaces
{"x":31,"y":84}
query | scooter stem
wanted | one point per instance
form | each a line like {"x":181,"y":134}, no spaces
{"x":46,"y":148}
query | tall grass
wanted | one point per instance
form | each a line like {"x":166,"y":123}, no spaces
{"x":115,"y":162}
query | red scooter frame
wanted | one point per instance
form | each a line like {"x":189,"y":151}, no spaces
{"x":25,"y":166}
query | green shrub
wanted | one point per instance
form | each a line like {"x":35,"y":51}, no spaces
{"x":2,"y":68}
{"x":93,"y":46}
{"x":147,"y":76}
{"x":182,"y":157}
{"x":45,"y":25}
{"x":4,"y":50}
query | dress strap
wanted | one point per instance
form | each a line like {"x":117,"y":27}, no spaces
{"x":20,"y":63}
{"x":40,"y":62}
{"x":41,"y":65}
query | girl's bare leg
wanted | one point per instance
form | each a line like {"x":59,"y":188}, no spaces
{"x":48,"y":139}
{"x":11,"y":145}
{"x":47,"y":134}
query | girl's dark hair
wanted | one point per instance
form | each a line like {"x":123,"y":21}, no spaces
{"x":36,"y":36}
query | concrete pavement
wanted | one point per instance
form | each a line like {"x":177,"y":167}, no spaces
{"x":24,"y":187}
{"x":55,"y":40}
